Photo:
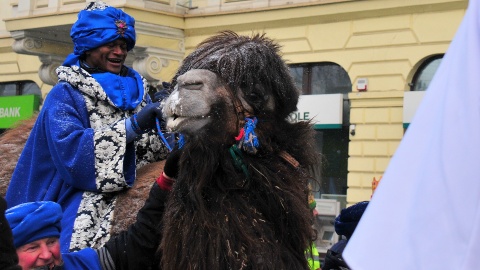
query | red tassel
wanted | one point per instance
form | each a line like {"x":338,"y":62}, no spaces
{"x":240,"y":135}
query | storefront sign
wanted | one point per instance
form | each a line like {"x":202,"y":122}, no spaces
{"x":15,"y":108}
{"x":325,"y":111}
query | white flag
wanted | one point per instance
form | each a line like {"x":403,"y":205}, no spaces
{"x":425,"y":213}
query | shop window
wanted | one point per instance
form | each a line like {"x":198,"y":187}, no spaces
{"x":19,"y":88}
{"x":423,"y":76}
{"x":332,"y":144}
{"x":331,"y":173}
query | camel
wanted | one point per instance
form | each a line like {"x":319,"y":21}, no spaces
{"x":240,"y":199}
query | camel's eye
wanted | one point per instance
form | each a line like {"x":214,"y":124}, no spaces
{"x":192,"y":85}
{"x":257,"y":94}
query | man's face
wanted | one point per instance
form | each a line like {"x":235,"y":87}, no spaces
{"x":38,"y":253}
{"x":109,"y":57}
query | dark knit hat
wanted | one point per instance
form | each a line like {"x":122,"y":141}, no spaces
{"x":347,"y":221}
{"x":33,"y":221}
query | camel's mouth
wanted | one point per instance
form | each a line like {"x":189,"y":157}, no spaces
{"x":173,"y":123}
{"x":184,"y":113}
{"x":179,"y":123}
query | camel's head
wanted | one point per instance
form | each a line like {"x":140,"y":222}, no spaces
{"x":227,"y":78}
{"x":200,"y":100}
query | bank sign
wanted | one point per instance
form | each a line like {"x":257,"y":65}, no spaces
{"x":325,"y":111}
{"x":16,"y":108}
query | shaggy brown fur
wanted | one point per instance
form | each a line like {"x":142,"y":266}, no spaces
{"x":217,"y":217}
{"x":128,"y":202}
{"x":11,"y":146}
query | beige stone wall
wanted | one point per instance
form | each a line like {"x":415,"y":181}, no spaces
{"x":379,"y":129}
{"x":14,"y":67}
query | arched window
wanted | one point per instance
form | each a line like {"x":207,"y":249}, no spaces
{"x":423,"y":76}
{"x":321,"y":78}
{"x":332,"y":144}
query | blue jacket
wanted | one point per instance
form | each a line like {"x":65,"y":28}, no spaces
{"x":85,"y":259}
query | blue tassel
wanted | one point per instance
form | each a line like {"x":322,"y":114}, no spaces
{"x":250,"y":140}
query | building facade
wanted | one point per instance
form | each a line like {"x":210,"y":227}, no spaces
{"x":362,"y":65}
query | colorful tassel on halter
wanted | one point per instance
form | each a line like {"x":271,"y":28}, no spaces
{"x":247,"y":139}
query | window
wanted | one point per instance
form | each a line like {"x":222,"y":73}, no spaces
{"x":423,"y":76}
{"x":321,"y":78}
{"x":19,"y":88}
{"x":332,"y":144}
{"x":331,"y":174}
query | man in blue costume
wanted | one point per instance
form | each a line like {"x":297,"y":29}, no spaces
{"x":96,"y":127}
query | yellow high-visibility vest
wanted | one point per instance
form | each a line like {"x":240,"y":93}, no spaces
{"x":313,"y":257}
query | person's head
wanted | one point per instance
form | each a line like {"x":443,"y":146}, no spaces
{"x":347,"y":221}
{"x":36,"y":229}
{"x":109,"y":57}
{"x":102,"y":36}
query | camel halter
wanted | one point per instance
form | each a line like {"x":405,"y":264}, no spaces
{"x":247,"y":139}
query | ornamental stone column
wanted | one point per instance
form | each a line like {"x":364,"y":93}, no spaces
{"x":158,"y":52}
{"x":50,"y":47}
{"x":47,"y":71}
{"x":150,"y":61}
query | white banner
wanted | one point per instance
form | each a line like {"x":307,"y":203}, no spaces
{"x":425,"y":213}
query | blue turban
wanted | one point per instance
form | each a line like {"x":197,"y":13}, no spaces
{"x":33,"y":221}
{"x":99,"y":24}
{"x":348,"y":219}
